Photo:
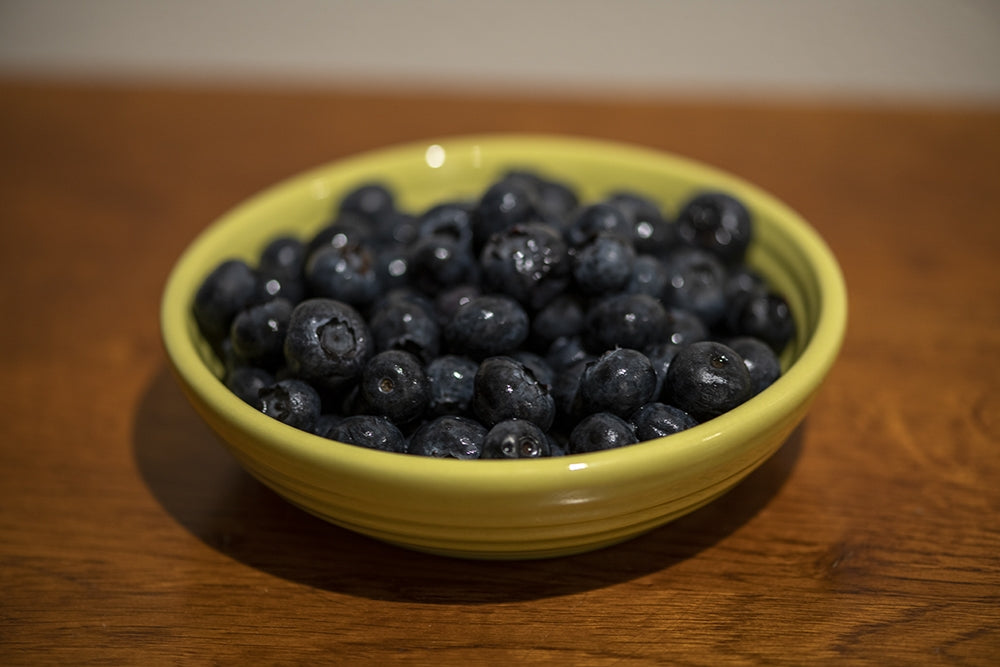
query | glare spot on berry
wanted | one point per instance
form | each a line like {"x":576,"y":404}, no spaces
{"x":441,"y":253}
{"x":339,"y":240}
{"x":272,"y":287}
{"x":397,"y":268}
{"x":677,"y":281}
{"x":386,"y":386}
{"x":644,"y":230}
{"x":719,"y":361}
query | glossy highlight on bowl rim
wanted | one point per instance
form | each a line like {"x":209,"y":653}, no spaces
{"x":526,"y":508}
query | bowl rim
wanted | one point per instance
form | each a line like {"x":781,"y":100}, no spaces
{"x":701,"y":443}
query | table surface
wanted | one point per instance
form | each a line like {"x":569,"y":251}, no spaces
{"x":128,"y":535}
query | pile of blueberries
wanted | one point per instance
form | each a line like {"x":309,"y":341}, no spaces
{"x":520,"y":323}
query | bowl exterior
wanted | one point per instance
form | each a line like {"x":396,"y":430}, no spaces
{"x":510,"y":509}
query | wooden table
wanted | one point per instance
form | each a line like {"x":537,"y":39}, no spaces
{"x":128,"y":535}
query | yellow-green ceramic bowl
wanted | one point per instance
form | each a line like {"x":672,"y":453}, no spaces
{"x":524,"y":508}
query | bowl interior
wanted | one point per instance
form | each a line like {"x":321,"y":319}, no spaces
{"x":412,"y":500}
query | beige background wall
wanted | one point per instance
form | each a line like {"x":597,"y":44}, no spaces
{"x":928,"y":50}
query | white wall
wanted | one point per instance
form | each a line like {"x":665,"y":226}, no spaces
{"x":928,"y":50}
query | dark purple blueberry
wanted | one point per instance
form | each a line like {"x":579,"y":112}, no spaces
{"x":404,"y":324}
{"x":373,"y":202}
{"x":258,"y":333}
{"x":660,"y":355}
{"x":448,"y":301}
{"x":449,"y":436}
{"x":683,"y":326}
{"x":506,"y":389}
{"x":487,"y":326}
{"x":742,"y":282}
{"x":247,"y":381}
{"x":649,"y":276}
{"x":567,"y":351}
{"x":718,"y":223}
{"x":452,"y":219}
{"x":452,"y":380}
{"x":706,"y":379}
{"x":765,"y":316}
{"x":328,"y":342}
{"x":760,"y":360}
{"x":394,"y":385}
{"x":600,"y":431}
{"x":503,"y":205}
{"x":652,"y":233}
{"x":441,"y":261}
{"x":656,"y":420}
{"x":594,"y":219}
{"x":392,"y":266}
{"x":371,"y":431}
{"x":516,"y":439}
{"x":537,"y":364}
{"x":325,"y":423}
{"x":624,"y":320}
{"x":696,"y":283}
{"x":348,"y":273}
{"x":554,"y":199}
{"x":230,"y":288}
{"x":529,"y":262}
{"x":291,"y":401}
{"x":603,"y":264}
{"x":562,"y":316}
{"x":282,"y":268}
{"x":347,"y":229}
{"x":619,"y":381}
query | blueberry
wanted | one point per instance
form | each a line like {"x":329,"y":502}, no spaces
{"x":247,"y":381}
{"x":567,"y":351}
{"x":649,"y":276}
{"x":718,"y":223}
{"x":560,"y":317}
{"x":487,"y":326}
{"x":452,"y":219}
{"x":405,"y":324}
{"x":504,"y":388}
{"x":441,"y":261}
{"x":282,"y":268}
{"x":291,"y":401}
{"x":742,"y":282}
{"x":565,"y":392}
{"x":600,"y":431}
{"x":619,"y":381}
{"x":538,"y":366}
{"x":765,"y":316}
{"x":374,"y":202}
{"x":660,"y":355}
{"x":683,"y":326}
{"x":394,"y":385}
{"x":516,"y":439}
{"x":448,"y":436}
{"x":231,"y":287}
{"x":760,"y":360}
{"x":371,"y":431}
{"x":656,"y":420}
{"x":452,"y":380}
{"x":503,"y":205}
{"x":346,"y":229}
{"x":324,"y":424}
{"x":593,"y":219}
{"x":258,"y":333}
{"x":652,"y":233}
{"x":554,"y":199}
{"x":696,"y":283}
{"x":328,"y":342}
{"x":624,"y":320}
{"x":529,"y":262}
{"x":706,"y":379}
{"x":448,"y":301}
{"x":603,"y":264}
{"x":392,"y":266}
{"x":348,"y":273}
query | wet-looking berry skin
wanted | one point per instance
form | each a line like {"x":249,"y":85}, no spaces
{"x":706,"y":379}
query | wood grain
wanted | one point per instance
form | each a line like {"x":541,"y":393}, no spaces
{"x":128,"y":536}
